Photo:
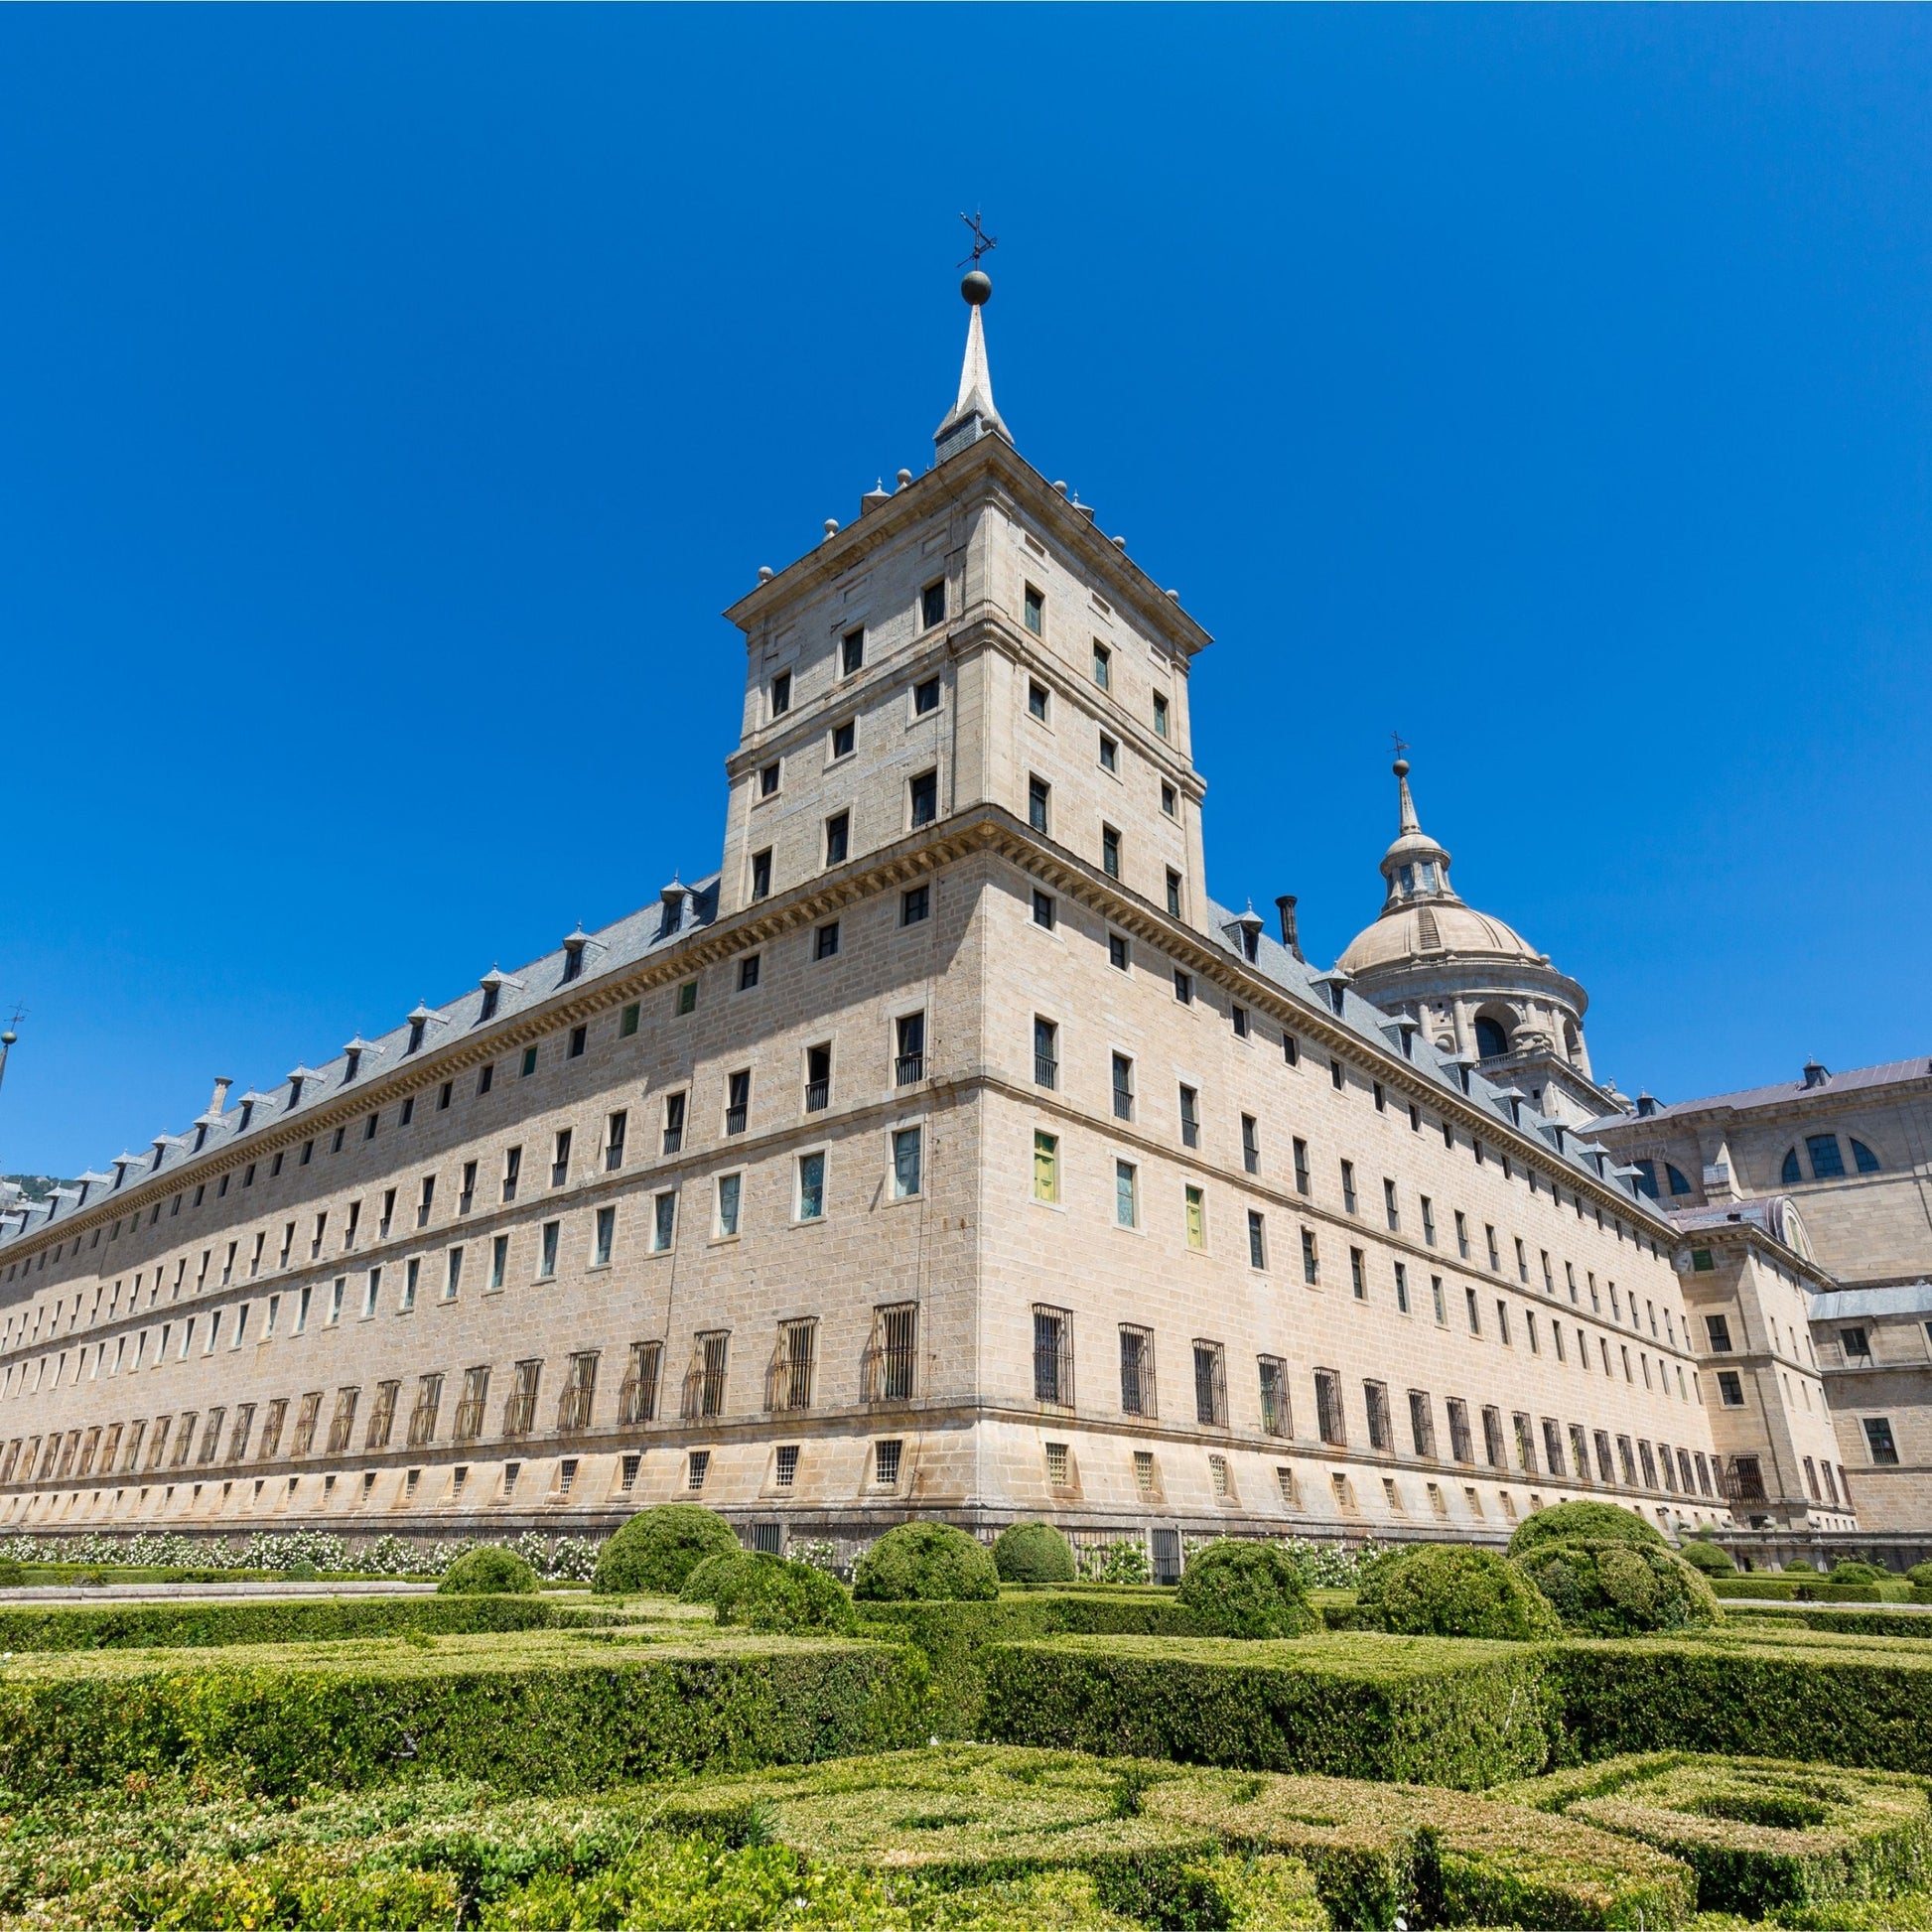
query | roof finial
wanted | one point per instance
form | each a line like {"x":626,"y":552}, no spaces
{"x":1408,"y":822}
{"x":973,"y":415}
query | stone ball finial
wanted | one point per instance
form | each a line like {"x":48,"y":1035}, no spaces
{"x":1400,"y":767}
{"x":977,"y":288}
{"x":766,"y":573}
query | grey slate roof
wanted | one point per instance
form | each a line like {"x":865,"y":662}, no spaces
{"x":1857,"y":1080}
{"x":615,"y":949}
{"x":1842,"y":1305}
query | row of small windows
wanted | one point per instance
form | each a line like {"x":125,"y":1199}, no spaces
{"x":1827,"y":1159}
{"x":852,"y":650}
{"x":1033,"y":610}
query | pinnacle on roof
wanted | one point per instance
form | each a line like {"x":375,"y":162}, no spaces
{"x":1414,"y":866}
{"x":973,"y":415}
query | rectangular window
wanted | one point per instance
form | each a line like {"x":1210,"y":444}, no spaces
{"x":915,"y":904}
{"x":1358,"y":1272}
{"x":1169,"y":800}
{"x":579,"y":1037}
{"x":892,"y":1356}
{"x":1718,"y":1329}
{"x":907,"y":1179}
{"x":1250,"y":1144}
{"x":791,"y":1367}
{"x":1110,"y":850}
{"x":1310,"y":1260}
{"x":852,"y":651}
{"x":1401,"y":1288}
{"x":737,"y":1100}
{"x":1421,"y":1422}
{"x":1053,"y":1357}
{"x":1492,"y":1439}
{"x":1238,"y":1018}
{"x":1337,"y":1076}
{"x":1190,"y":1117}
{"x":926,"y":696}
{"x":663,"y":1224}
{"x":1046,"y":1056}
{"x":1461,"y":1446}
{"x":909,"y":1060}
{"x":1117,"y":951}
{"x":1037,"y":700}
{"x":1196,"y":1218}
{"x":1184,"y":987}
{"x":932,"y":605}
{"x":749,"y":969}
{"x":452,"y":1274}
{"x":1211,"y":1383}
{"x":923,"y":797}
{"x":1304,"y":1183}
{"x":1525,"y":1444}
{"x":1161,"y":714}
{"x":838,"y":838}
{"x":607,"y":1233}
{"x":1391,"y":1211}
{"x":1275,"y":1419}
{"x":560,"y":1158}
{"x":1328,"y":1408}
{"x":762,"y":873}
{"x":512,"y":1170}
{"x":845,"y":737}
{"x":1174,"y":906}
{"x":1046,"y":1166}
{"x":547,"y":1262}
{"x":1103,"y":665}
{"x":1136,"y":1391}
{"x":637,"y":1398}
{"x":1375,"y":1396}
{"x":673,"y":1122}
{"x":730,"y":1189}
{"x":782,"y":694}
{"x":811,"y":1186}
{"x":1044,"y":909}
{"x":1038,"y":798}
{"x":1257,"y":1239}
{"x":1475,"y":1314}
{"x":1462,"y":1234}
{"x":1879,"y":1439}
{"x":825,"y":940}
{"x":1034,"y":609}
{"x":704,"y":1392}
{"x":1109,"y":754}
{"x":615,"y":1128}
{"x":1428,"y":1222}
{"x":1348,"y":1187}
{"x":1127,"y":1200}
{"x":818,"y":1078}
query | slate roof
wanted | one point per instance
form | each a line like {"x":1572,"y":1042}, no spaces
{"x":1857,"y":1080}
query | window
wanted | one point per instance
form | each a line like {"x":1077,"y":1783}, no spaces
{"x":1046,"y":1053}
{"x":1060,"y":1465}
{"x":547,"y":1261}
{"x":782,"y":694}
{"x":785,"y":1473}
{"x":1044,"y":909}
{"x":1274,"y":1417}
{"x":1401,"y":1288}
{"x":730,"y":1189}
{"x":1109,"y":754}
{"x":607,"y":1230}
{"x":1827,"y":1163}
{"x":1462,"y":1234}
{"x":749,"y":969}
{"x":1348,"y":1187}
{"x":1034,"y":606}
{"x":1731,"y":1388}
{"x":907,"y":1152}
{"x":1117,"y":953}
{"x":811,"y":1186}
{"x":818,"y":1078}
{"x":1701,"y":1262}
{"x":687,"y":1003}
{"x":924,"y":793}
{"x":1037,"y":700}
{"x":578,"y":1038}
{"x":704,"y":1391}
{"x":1174,"y":904}
{"x":1196,"y":1217}
{"x":673,"y":1122}
{"x":926,"y":696}
{"x":1169,"y":800}
{"x":886,"y":1459}
{"x":845,"y":737}
{"x":637,"y":1398}
{"x":760,"y":874}
{"x":769,"y":779}
{"x":1046,"y":1166}
{"x":1879,"y":1439}
{"x":838,"y":839}
{"x":1422,"y":1424}
{"x":1110,"y":850}
{"x":1211,"y":1383}
{"x":1304,"y":1183}
{"x":1475,"y":1318}
{"x":1328,"y":1408}
{"x":737,"y":1100}
{"x":932,"y":605}
{"x":1184,"y":987}
{"x":1257,"y":1239}
{"x":1856,"y":1344}
{"x":1337,"y":1076}
{"x":1863,"y":1158}
{"x":1137,"y":1390}
{"x":892,"y":1356}
{"x":560,"y":1158}
{"x":1461,"y":1445}
{"x":1358,"y":1272}
{"x":1428,"y":1220}
{"x":452,"y":1274}
{"x":791,"y":1366}
{"x":852,"y":652}
{"x":1161,"y":714}
{"x":1718,"y":1329}
{"x":697,"y":1467}
{"x":909,"y":1062}
{"x":1495,"y":1258}
{"x":1053,"y":1357}
{"x":1492,"y":1439}
{"x":1190,"y":1117}
{"x":1311,"y":1259}
{"x":1250,"y":1144}
{"x":915,"y":904}
{"x":1103,"y":665}
{"x":663,"y":1223}
{"x":1127,"y":1197}
{"x":1375,"y":1396}
{"x":1390,"y":1210}
{"x":1238,"y":1018}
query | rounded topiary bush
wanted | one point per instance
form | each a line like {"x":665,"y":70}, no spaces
{"x":1800,"y":1567}
{"x":1582,"y":1522}
{"x":11,"y":1575}
{"x":1620,"y":1588}
{"x":659,"y":1548}
{"x":1034,"y":1553}
{"x":929,"y":1562}
{"x":1247,"y":1590}
{"x":1848,"y":1571}
{"x":1442,"y":1591}
{"x":768,"y":1593}
{"x":488,"y":1570}
{"x":1920,"y":1574}
{"x":1711,"y":1558}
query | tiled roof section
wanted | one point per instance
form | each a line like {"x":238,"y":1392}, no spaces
{"x":1273,"y":960}
{"x":614,"y":950}
{"x":1847,"y":1303}
{"x":1859,"y":1079}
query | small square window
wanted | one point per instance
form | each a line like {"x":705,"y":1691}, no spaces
{"x":1035,"y":612}
{"x":825,"y":941}
{"x":748,"y":972}
{"x":915,"y":904}
{"x":852,"y":652}
{"x":926,"y":696}
{"x":687,"y":996}
{"x":1117,"y":951}
{"x":845,"y":738}
{"x":932,"y":605}
{"x":1109,"y":754}
{"x":1044,"y":909}
{"x":1036,"y":701}
{"x":769,"y":780}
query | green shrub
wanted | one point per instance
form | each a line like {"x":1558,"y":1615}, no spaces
{"x":1622,"y":1589}
{"x":1846,"y":1620}
{"x":1711,"y":1558}
{"x":13,"y":1572}
{"x":1247,"y":1590}
{"x":1032,"y":1553}
{"x":1920,"y":1574}
{"x":1846,"y":1571}
{"x":657,"y":1549}
{"x":488,"y":1570}
{"x":1582,"y":1522}
{"x":1423,"y":1710}
{"x":1760,"y":1835}
{"x":926,"y":1563}
{"x":1800,"y":1567}
{"x":1444,"y":1591}
{"x":768,"y":1594}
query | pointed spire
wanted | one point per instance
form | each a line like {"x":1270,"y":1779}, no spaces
{"x":1409,"y":823}
{"x":1414,"y":867}
{"x":973,"y":415}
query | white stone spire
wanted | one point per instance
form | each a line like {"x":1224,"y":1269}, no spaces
{"x":973,"y":415}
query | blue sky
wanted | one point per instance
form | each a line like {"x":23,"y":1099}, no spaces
{"x":391,"y":400}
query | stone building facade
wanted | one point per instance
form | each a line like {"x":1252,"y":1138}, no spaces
{"x":946,"y":1150}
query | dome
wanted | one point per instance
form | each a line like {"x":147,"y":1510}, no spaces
{"x":1415,"y":932}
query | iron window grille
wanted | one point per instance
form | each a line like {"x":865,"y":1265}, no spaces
{"x":1276,"y":1416}
{"x":422,"y":1416}
{"x":1329,"y":1419}
{"x":1211,"y":1384}
{"x":574,"y":1406}
{"x":382,"y":1417}
{"x":790,"y":1386}
{"x":892,"y":1356}
{"x":1138,"y":1396}
{"x":704,"y":1381}
{"x":520,"y":1406}
{"x":1053,"y":1357}
{"x":470,"y":1406}
{"x":342,"y":1422}
{"x":638,"y":1398}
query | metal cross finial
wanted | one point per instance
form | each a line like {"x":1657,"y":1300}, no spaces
{"x":1401,"y":742}
{"x":981,"y":241}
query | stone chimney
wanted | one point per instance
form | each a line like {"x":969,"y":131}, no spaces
{"x":1291,"y":938}
{"x":222,"y":1082}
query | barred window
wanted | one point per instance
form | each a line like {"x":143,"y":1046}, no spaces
{"x":793,"y":1362}
{"x":1375,"y":1396}
{"x":342,"y":1422}
{"x":1461,"y":1445}
{"x":1492,"y":1439}
{"x":579,"y":1396}
{"x":470,"y":1405}
{"x":1211,"y":1383}
{"x":1276,"y":1416}
{"x":520,"y":1407}
{"x":1421,"y":1422}
{"x":703,"y":1380}
{"x":306,"y":1419}
{"x":892,"y":1356}
{"x":1328,"y":1408}
{"x":637,"y":1400}
{"x":1053,"y":1357}
{"x":382,"y":1417}
{"x":1136,"y":1386}
{"x":271,"y":1429}
{"x":422,"y":1418}
{"x":184,"y":1441}
{"x":212,"y":1435}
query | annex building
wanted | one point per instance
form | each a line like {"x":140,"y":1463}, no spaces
{"x":944,"y":1151}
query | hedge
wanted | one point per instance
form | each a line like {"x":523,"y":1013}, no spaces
{"x":488,"y":1570}
{"x":191,"y":1626}
{"x":1376,"y":1852}
{"x":1423,"y":1710}
{"x":1850,"y":1621}
{"x":1816,"y":1589}
{"x":1034,"y":1553}
{"x":543,"y":1710}
{"x":1439,"y":1590}
{"x":657,"y":1549}
{"x":927,"y":1562}
{"x":1249,"y":1590}
{"x":1760,"y":1834}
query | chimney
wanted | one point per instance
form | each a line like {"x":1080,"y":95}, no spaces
{"x":222,"y":1082}
{"x":1814,"y":1075}
{"x":1291,"y":939}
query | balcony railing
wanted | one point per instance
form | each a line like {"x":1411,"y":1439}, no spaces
{"x":908,"y":1068}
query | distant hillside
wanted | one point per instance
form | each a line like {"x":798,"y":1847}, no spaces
{"x":36,"y":1186}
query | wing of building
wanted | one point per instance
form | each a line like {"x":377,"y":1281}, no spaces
{"x":944,"y":1149}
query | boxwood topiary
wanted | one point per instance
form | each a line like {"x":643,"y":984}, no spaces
{"x":1444,"y":1591}
{"x":768,"y":1594}
{"x":1711,"y":1558}
{"x":659,"y":1548}
{"x":1848,"y":1571}
{"x":929,"y":1562}
{"x":1620,"y":1588}
{"x":488,"y":1570}
{"x":1920,"y":1574}
{"x":1582,"y":1522}
{"x":1247,"y":1590}
{"x":11,"y":1575}
{"x":1801,"y":1567}
{"x":1034,"y":1553}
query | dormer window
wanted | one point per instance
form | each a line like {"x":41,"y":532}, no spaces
{"x":247,"y":1114}
{"x":351,"y":1064}
{"x":573,"y":962}
{"x":489,"y":993}
{"x":294,"y":1100}
{"x":416,"y":1034}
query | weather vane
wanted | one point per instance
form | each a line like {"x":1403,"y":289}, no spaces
{"x":981,"y":241}
{"x":1401,"y":743}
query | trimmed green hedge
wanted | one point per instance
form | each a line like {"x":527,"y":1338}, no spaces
{"x":1619,"y":1589}
{"x":1760,"y":1834}
{"x":1423,"y":1710}
{"x":1584,"y":1521}
{"x":1248,"y":1589}
{"x":533,"y":1712}
{"x":926,"y":1563}
{"x":1034,"y":1553}
{"x":1848,"y":1621}
{"x":657,"y":1549}
{"x":1440,"y":1590}
{"x":227,"y":1620}
{"x":1815,"y":1589}
{"x":488,"y":1570}
{"x":767,"y":1592}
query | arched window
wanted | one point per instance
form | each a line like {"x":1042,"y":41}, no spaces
{"x":1678,"y":1184}
{"x":1827,"y":1163}
{"x":1491,"y":1041}
{"x":1788,"y":1175}
{"x":1863,"y":1158}
{"x":1647,"y":1177}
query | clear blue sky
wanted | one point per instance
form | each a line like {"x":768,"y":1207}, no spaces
{"x":390,"y":401}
